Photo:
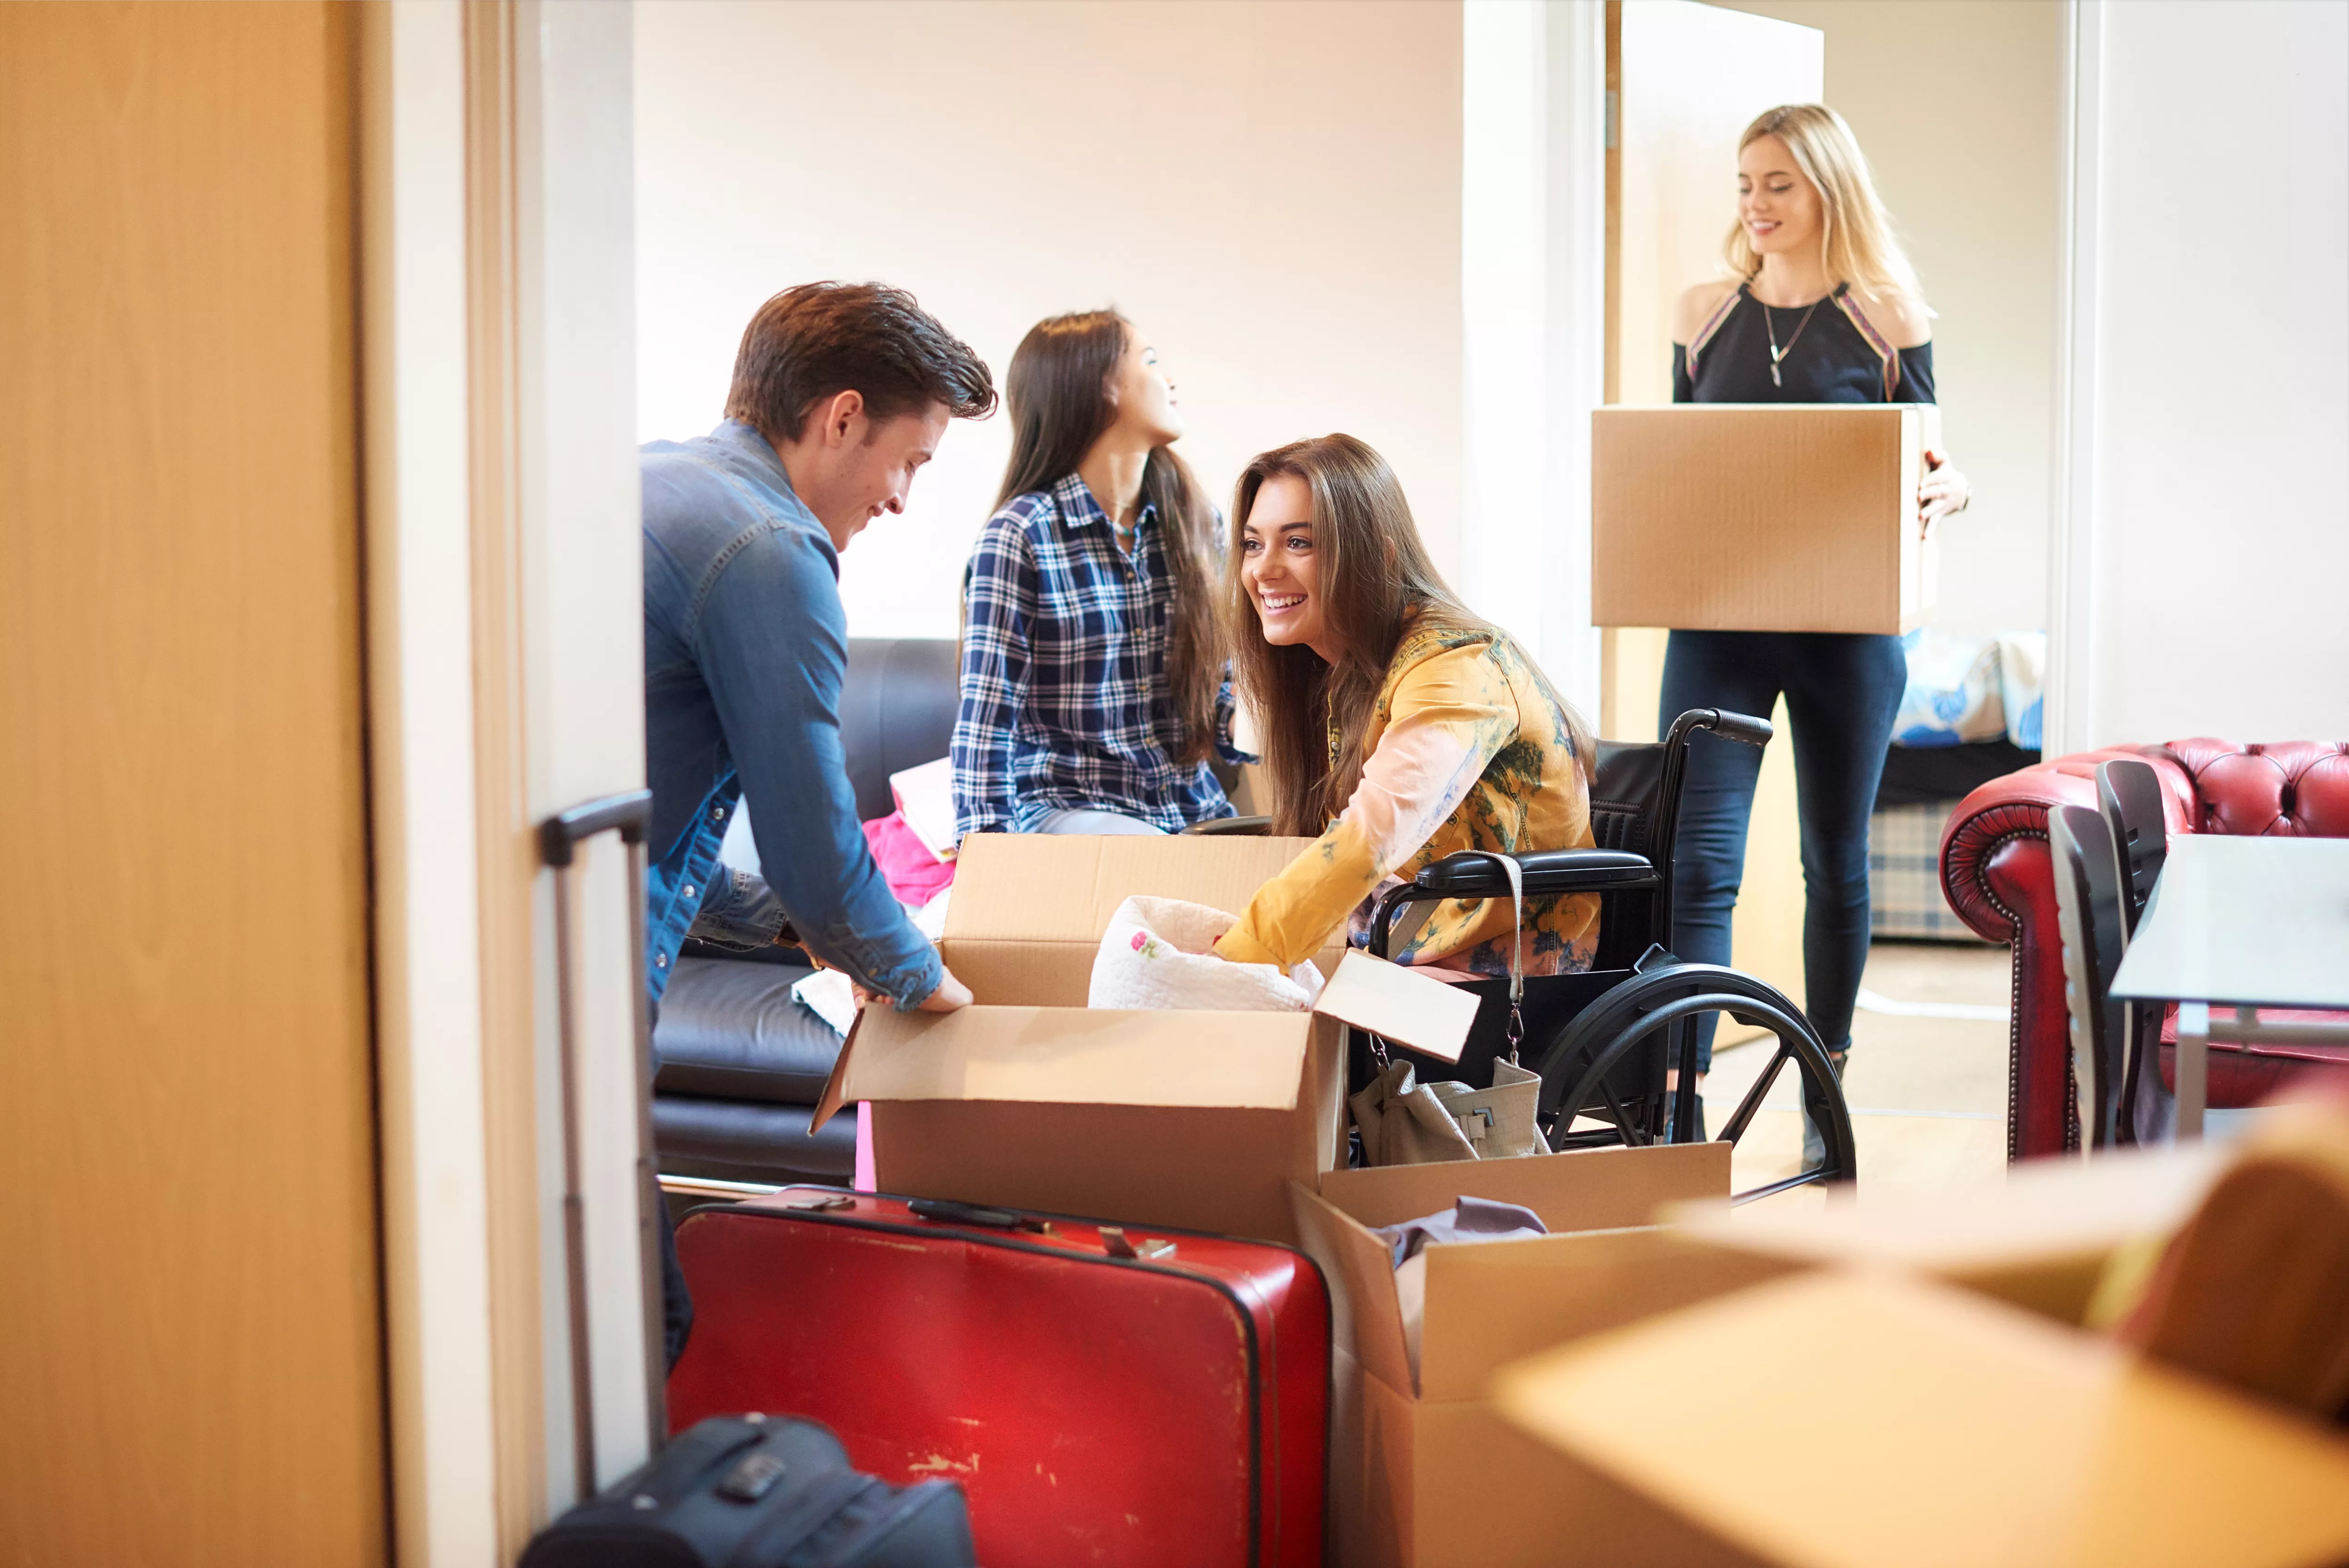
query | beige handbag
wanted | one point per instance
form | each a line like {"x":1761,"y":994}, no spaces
{"x":1405,"y":1122}
{"x":1409,"y":1123}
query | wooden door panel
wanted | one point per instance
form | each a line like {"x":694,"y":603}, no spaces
{"x":189,"y":1344}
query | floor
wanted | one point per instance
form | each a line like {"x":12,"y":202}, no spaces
{"x":1926,"y":1082}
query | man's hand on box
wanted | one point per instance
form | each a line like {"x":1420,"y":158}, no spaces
{"x":951,"y":994}
{"x":1944,"y":491}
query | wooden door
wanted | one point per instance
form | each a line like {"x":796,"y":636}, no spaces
{"x":1686,"y":80}
{"x":191,"y":1356}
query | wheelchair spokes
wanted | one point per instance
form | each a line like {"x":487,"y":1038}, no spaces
{"x":1591,"y":1050}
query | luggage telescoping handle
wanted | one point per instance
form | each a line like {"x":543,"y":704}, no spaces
{"x":628,"y":814}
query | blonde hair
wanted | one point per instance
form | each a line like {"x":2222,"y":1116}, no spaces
{"x":1855,"y":240}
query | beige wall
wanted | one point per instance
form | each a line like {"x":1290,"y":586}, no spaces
{"x":1958,"y":104}
{"x":1271,"y":189}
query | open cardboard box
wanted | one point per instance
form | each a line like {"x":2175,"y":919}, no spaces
{"x":1847,"y":1418}
{"x":2040,"y":1239}
{"x":1029,"y":1100}
{"x":1423,"y":1470}
{"x":1761,"y":516}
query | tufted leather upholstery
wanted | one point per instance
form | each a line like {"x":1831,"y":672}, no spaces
{"x":1999,"y":877}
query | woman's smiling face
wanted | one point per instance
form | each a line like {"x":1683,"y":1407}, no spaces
{"x":1776,"y":201}
{"x":1280,"y":569}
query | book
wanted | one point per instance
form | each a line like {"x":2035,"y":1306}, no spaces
{"x":925,"y":797}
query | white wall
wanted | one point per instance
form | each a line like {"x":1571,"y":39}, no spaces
{"x":2209,"y":536}
{"x":1958,"y":105}
{"x":1271,"y":189}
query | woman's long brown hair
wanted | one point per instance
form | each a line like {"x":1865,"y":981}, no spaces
{"x":1060,"y":394}
{"x":1376,"y":584}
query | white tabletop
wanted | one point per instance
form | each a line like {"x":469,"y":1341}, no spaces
{"x":2260,"y":921}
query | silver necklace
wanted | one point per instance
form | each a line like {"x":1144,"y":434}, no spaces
{"x":1771,"y":326}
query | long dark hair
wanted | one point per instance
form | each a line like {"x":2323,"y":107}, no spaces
{"x":1060,"y":390}
{"x":1376,"y":584}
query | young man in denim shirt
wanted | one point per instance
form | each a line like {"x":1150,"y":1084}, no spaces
{"x":840,"y":393}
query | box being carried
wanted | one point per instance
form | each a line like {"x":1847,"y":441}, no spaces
{"x":1761,"y":516}
{"x":1030,"y":1099}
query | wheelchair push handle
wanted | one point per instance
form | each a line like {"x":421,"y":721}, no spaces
{"x":1743,"y":728}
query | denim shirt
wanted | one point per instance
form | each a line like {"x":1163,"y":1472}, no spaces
{"x":745,"y":644}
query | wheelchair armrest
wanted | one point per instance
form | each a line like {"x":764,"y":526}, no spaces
{"x":1475,"y":874}
{"x":1223,"y":826}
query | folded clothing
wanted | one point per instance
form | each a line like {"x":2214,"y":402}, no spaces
{"x":913,"y":873}
{"x":1159,"y":953}
{"x":1468,"y":1220}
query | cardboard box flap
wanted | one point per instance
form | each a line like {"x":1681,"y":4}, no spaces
{"x":1029,"y":908}
{"x":1423,"y":1013}
{"x":1365,"y":1317}
{"x":1050,"y":887}
{"x":1061,"y":1055}
{"x":1958,"y":1431}
{"x":1583,"y":1190}
{"x":1487,"y":1305}
{"x":1595,"y":1190}
{"x":2038,"y":1239}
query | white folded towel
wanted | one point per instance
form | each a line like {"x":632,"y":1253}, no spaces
{"x":1159,"y":953}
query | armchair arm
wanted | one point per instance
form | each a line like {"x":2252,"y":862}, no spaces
{"x":2000,"y":878}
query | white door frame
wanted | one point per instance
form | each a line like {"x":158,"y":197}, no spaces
{"x":1533,"y":268}
{"x":504,"y":683}
{"x":2069,"y":720}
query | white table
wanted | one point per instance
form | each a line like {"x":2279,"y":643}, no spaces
{"x":2241,"y":924}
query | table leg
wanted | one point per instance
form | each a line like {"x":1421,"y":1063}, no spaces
{"x":2193,"y":1066}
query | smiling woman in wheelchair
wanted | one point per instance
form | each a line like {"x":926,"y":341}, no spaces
{"x":1395,"y":726}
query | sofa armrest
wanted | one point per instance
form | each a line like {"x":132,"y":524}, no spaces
{"x":2015,"y":807}
{"x":1999,"y":876}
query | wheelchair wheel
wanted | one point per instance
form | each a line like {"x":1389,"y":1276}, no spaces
{"x":1575,"y":1066}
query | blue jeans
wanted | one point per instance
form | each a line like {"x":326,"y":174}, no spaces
{"x":1096,"y":823}
{"x":1843,"y":691}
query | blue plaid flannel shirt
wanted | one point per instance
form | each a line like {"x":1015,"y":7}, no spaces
{"x":1064,"y":701}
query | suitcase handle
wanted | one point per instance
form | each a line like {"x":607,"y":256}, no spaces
{"x":946,"y":1212}
{"x":629,"y":813}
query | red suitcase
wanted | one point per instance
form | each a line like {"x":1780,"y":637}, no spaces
{"x":1103,"y":1395}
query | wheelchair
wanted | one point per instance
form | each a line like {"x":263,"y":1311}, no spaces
{"x":1602,"y":1040}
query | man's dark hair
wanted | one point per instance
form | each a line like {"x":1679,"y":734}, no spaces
{"x":811,"y":343}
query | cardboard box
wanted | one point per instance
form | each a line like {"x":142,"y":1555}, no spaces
{"x":1423,"y":1470}
{"x":1847,"y":1419}
{"x":1761,"y":516}
{"x":2038,"y":1240}
{"x":1029,"y":1100}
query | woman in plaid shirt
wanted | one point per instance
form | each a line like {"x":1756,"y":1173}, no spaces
{"x":1094,"y":689}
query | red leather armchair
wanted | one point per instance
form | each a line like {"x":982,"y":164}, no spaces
{"x":1996,"y":871}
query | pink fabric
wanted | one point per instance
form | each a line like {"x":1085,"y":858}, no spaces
{"x":864,"y":1177}
{"x":914,"y":875}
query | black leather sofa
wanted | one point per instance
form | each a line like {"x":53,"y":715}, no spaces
{"x":742,"y":1064}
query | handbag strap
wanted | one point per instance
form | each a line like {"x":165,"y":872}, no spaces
{"x":1516,"y":875}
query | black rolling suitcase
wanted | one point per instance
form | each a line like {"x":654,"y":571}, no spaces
{"x":750,"y":1491}
{"x":735,"y":1491}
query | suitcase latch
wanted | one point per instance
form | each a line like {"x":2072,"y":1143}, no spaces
{"x":1117,"y":1244}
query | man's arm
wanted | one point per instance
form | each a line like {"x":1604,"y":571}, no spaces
{"x":772,"y":644}
{"x":999,"y":604}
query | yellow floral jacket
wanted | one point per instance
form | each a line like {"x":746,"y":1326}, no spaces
{"x":1465,"y":752}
